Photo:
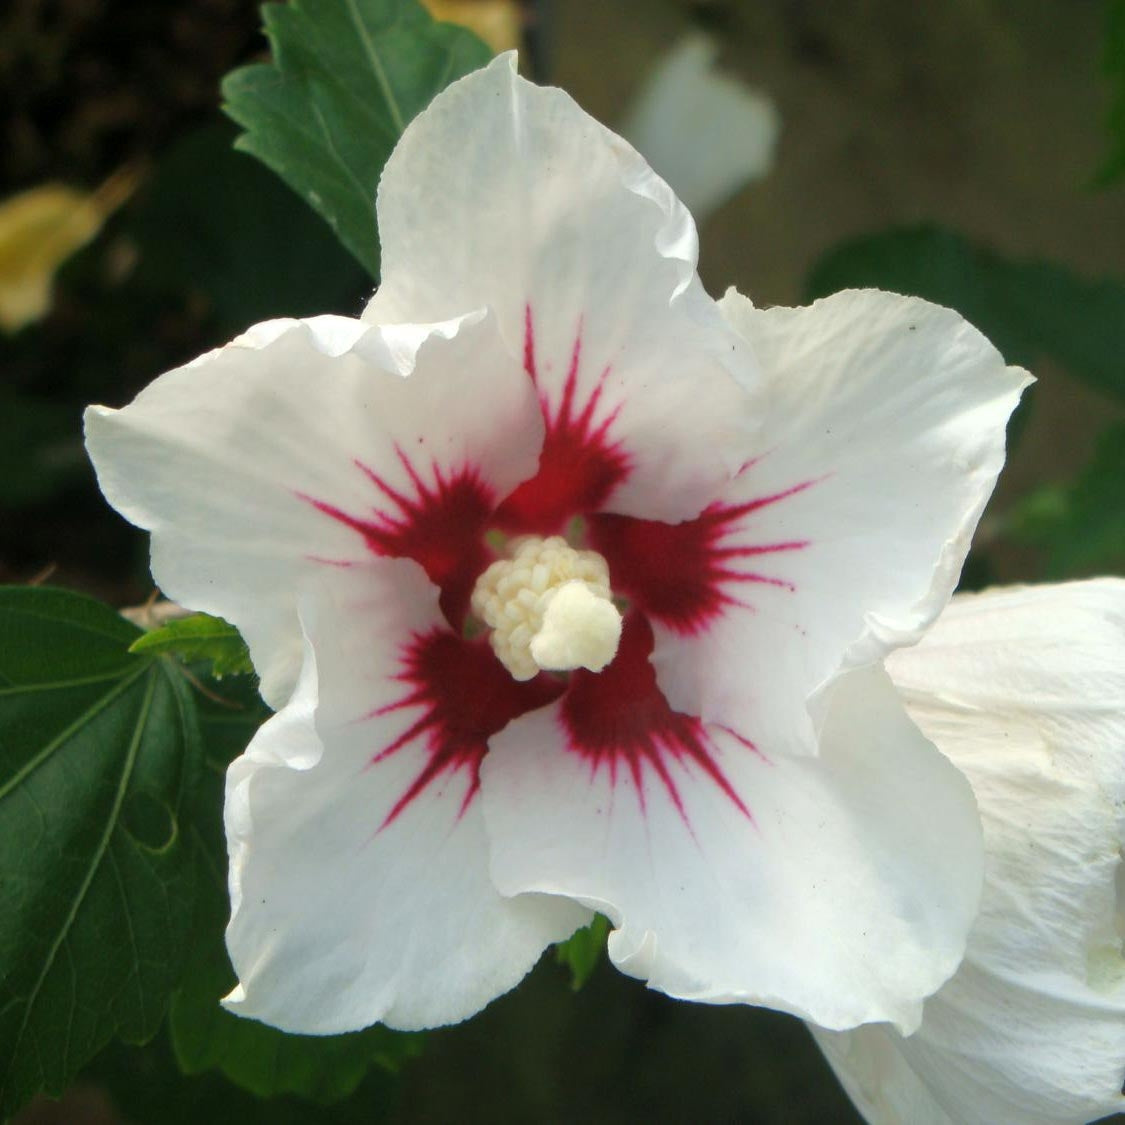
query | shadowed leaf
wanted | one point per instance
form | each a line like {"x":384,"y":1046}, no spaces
{"x":99,"y":750}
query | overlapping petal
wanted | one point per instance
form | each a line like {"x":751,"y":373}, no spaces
{"x":349,"y":904}
{"x":1024,"y":690}
{"x":839,"y":887}
{"x":508,"y":195}
{"x":312,"y":444}
{"x":883,"y":421}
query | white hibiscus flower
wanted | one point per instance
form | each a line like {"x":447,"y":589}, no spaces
{"x":1023,"y":690}
{"x":544,"y":450}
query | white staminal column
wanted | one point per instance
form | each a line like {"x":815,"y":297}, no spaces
{"x":549,"y":608}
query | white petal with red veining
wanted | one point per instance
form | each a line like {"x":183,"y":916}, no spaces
{"x":508,"y":195}
{"x":1024,"y":690}
{"x":884,"y":421}
{"x":416,"y":824}
{"x":349,"y":903}
{"x":839,"y":887}
{"x":283,"y":453}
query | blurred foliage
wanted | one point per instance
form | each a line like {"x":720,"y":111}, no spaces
{"x":582,"y":952}
{"x":40,"y":452}
{"x":216,"y":223}
{"x":148,"y":1088}
{"x":1030,"y":310}
{"x":1113,"y":167}
{"x":344,"y":81}
{"x":1081,"y":526}
{"x":617,"y":1053}
{"x":1027,"y":309}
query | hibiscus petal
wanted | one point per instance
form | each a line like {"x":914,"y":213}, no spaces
{"x":507,"y":195}
{"x":1024,"y":690}
{"x":299,"y":447}
{"x":885,"y":421}
{"x":357,"y":894}
{"x":842,"y":885}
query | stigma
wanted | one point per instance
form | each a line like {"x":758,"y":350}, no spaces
{"x":549,"y":608}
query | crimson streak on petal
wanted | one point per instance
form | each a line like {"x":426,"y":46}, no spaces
{"x":619,"y":719}
{"x":441,"y":527}
{"x":682,"y":573}
{"x":463,"y":696}
{"x":580,"y":464}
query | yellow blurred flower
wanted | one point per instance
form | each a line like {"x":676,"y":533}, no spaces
{"x":41,"y":228}
{"x":497,"y":22}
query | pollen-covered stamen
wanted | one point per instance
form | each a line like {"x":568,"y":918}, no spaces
{"x":549,"y":607}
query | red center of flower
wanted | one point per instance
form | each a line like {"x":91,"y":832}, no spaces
{"x":457,"y":695}
{"x":580,"y":464}
{"x":440,"y":524}
{"x":686,"y":574}
{"x":619,"y":719}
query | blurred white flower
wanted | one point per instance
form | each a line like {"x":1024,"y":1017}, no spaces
{"x":707,"y":133}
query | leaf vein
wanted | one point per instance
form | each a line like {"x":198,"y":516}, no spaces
{"x":103,"y":844}
{"x":83,"y":719}
{"x":377,"y":66}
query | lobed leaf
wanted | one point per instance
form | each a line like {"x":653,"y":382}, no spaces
{"x":99,"y":749}
{"x":346,"y":78}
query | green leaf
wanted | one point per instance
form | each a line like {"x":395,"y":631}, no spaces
{"x":346,"y":78}
{"x":582,"y":951}
{"x":260,"y":1059}
{"x":99,"y":750}
{"x":199,"y":637}
{"x":1082,"y":527}
{"x":1027,"y":309}
{"x":227,"y":720}
{"x":1114,"y":64}
{"x":147,"y":1086}
{"x":267,"y":1062}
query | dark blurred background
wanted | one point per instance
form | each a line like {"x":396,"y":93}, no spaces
{"x":983,"y":116}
